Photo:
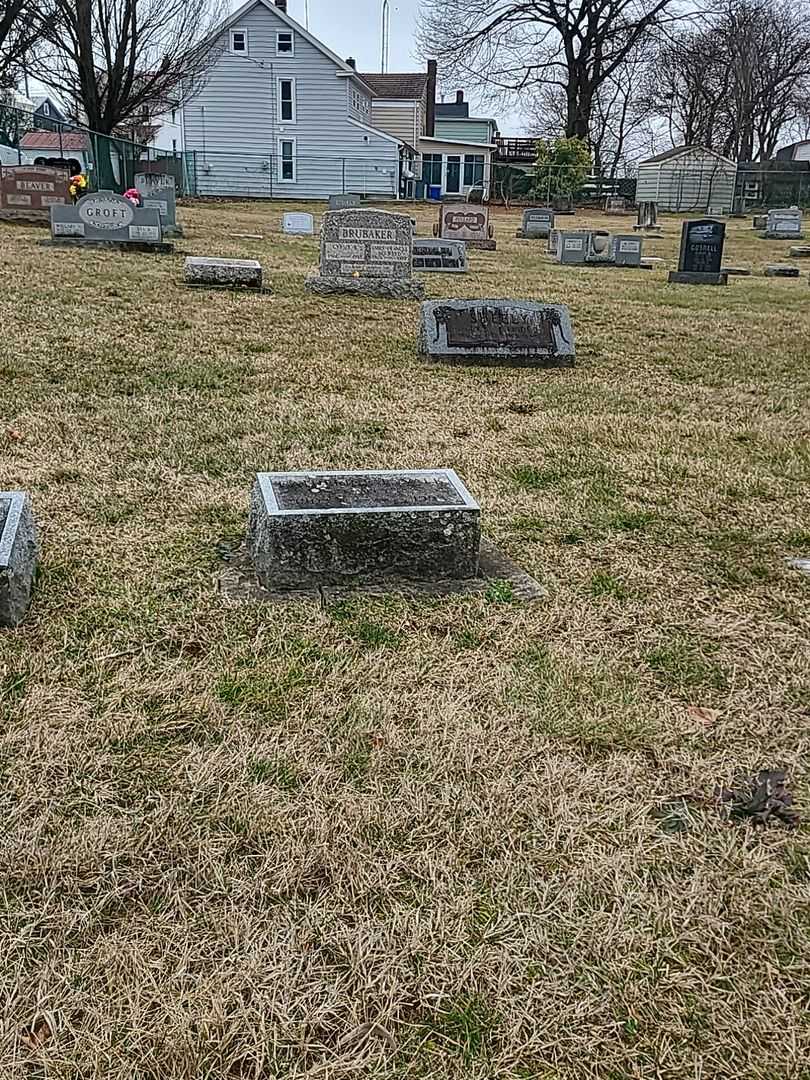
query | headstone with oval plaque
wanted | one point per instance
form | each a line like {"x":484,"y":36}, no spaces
{"x":105,"y":218}
{"x":157,"y":191}
{"x":366,"y":252}
{"x":467,"y":222}
{"x":701,"y":256}
{"x":27,"y":192}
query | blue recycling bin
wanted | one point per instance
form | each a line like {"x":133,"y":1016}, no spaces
{"x":435,"y":192}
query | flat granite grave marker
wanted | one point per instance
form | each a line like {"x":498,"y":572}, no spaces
{"x":345,"y":202}
{"x":18,"y":556}
{"x":223,"y":273}
{"x":157,"y":191}
{"x":27,"y":192}
{"x":510,"y":333}
{"x":781,"y":270}
{"x":368,"y":253}
{"x":701,"y":255}
{"x":538,"y":221}
{"x":298,"y":224}
{"x":341,"y":528}
{"x":444,"y":256}
{"x":784,"y":224}
{"x":104,"y":218}
{"x":467,"y":222}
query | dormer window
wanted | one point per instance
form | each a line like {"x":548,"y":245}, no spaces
{"x":239,"y":42}
{"x":285,"y":43}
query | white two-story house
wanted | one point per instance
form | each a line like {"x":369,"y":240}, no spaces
{"x":281,"y":116}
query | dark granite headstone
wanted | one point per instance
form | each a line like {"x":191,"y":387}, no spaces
{"x":446,"y":256}
{"x":513,"y":333}
{"x":27,"y":192}
{"x":336,"y":528}
{"x":369,"y":252}
{"x":18,"y":556}
{"x":701,"y":255}
{"x":345,"y":202}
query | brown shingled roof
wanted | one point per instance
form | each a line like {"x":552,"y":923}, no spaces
{"x":52,"y":140}
{"x":397,"y":87}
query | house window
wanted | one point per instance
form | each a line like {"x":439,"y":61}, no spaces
{"x":473,"y":170}
{"x":286,"y":154}
{"x":239,"y":42}
{"x":432,"y":169}
{"x":174,"y":116}
{"x":286,"y":99}
{"x":285,"y":44}
{"x":360,"y":102}
{"x":46,"y":109}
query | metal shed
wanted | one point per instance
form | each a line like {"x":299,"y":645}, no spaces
{"x":688,"y":179}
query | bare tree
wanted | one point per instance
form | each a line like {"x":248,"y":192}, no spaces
{"x":19,"y":31}
{"x":511,"y":47}
{"x":119,"y":60}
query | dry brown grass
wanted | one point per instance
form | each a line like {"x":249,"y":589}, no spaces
{"x":403,"y":839}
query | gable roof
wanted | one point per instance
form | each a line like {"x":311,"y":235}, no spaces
{"x":53,"y":140}
{"x":680,"y":151}
{"x":245,"y":9}
{"x":407,"y":86}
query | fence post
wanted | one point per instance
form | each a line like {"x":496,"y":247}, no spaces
{"x":343,"y":185}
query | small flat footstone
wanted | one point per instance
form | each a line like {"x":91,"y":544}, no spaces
{"x":230,"y":273}
{"x":736,"y":271}
{"x":800,"y":252}
{"x":690,"y":277}
{"x":802,"y":565}
{"x":245,"y":236}
{"x":18,"y":556}
{"x":780,"y":270}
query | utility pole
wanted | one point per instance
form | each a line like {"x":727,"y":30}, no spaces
{"x":386,"y":26}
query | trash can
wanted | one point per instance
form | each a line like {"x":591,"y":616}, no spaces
{"x":419,"y":190}
{"x":435,"y":192}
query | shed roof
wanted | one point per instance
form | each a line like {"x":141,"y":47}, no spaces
{"x":680,"y":151}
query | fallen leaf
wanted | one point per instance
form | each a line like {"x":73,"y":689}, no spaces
{"x":704,"y":716}
{"x":37,"y":1034}
{"x":13,"y":435}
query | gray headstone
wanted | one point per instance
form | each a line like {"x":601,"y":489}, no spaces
{"x":233,"y":273}
{"x":160,"y":196}
{"x":626,"y":250}
{"x":537,"y":223}
{"x":647,"y":217}
{"x":781,"y":270}
{"x":800,"y":252}
{"x":345,"y":202}
{"x":614,"y":204}
{"x":785,"y":224}
{"x":368,"y":252}
{"x":572,"y":247}
{"x":298,"y":224}
{"x":446,"y":256}
{"x":18,"y":556}
{"x":104,"y":217}
{"x":335,"y":528}
{"x":760,"y":222}
{"x":513,"y":333}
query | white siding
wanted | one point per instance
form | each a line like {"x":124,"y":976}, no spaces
{"x":693,"y":183}
{"x":233,"y":130}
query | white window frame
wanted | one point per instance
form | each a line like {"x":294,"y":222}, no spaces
{"x":281,"y":177}
{"x":291,"y":36}
{"x":243,"y":31}
{"x":294,"y":119}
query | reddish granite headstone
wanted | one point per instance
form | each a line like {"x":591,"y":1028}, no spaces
{"x":28,"y":192}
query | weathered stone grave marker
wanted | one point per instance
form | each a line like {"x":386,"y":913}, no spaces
{"x":626,"y":250}
{"x":18,"y":556}
{"x":298,"y":224}
{"x":614,"y":204}
{"x":538,"y":221}
{"x":467,"y":222}
{"x":445,"y":256}
{"x":784,"y":224}
{"x":349,"y":528}
{"x":367,"y":252}
{"x":105,"y":218}
{"x":223,"y":273}
{"x":345,"y":202}
{"x":511,"y":333}
{"x":157,"y":191}
{"x":701,"y":255}
{"x":781,"y":270}
{"x":27,"y":192}
{"x":647,"y":216}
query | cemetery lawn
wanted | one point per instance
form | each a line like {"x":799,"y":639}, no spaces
{"x":458,"y":838}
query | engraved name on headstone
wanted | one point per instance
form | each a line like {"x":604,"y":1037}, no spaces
{"x":515,"y":333}
{"x":157,"y":192}
{"x":366,"y":251}
{"x":538,"y":221}
{"x":784,"y":224}
{"x":344,"y":202}
{"x":701,"y":255}
{"x":447,"y":256}
{"x":105,"y":216}
{"x":467,"y":222}
{"x":29,"y":191}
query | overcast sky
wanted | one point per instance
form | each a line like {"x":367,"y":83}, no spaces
{"x":352,"y":28}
